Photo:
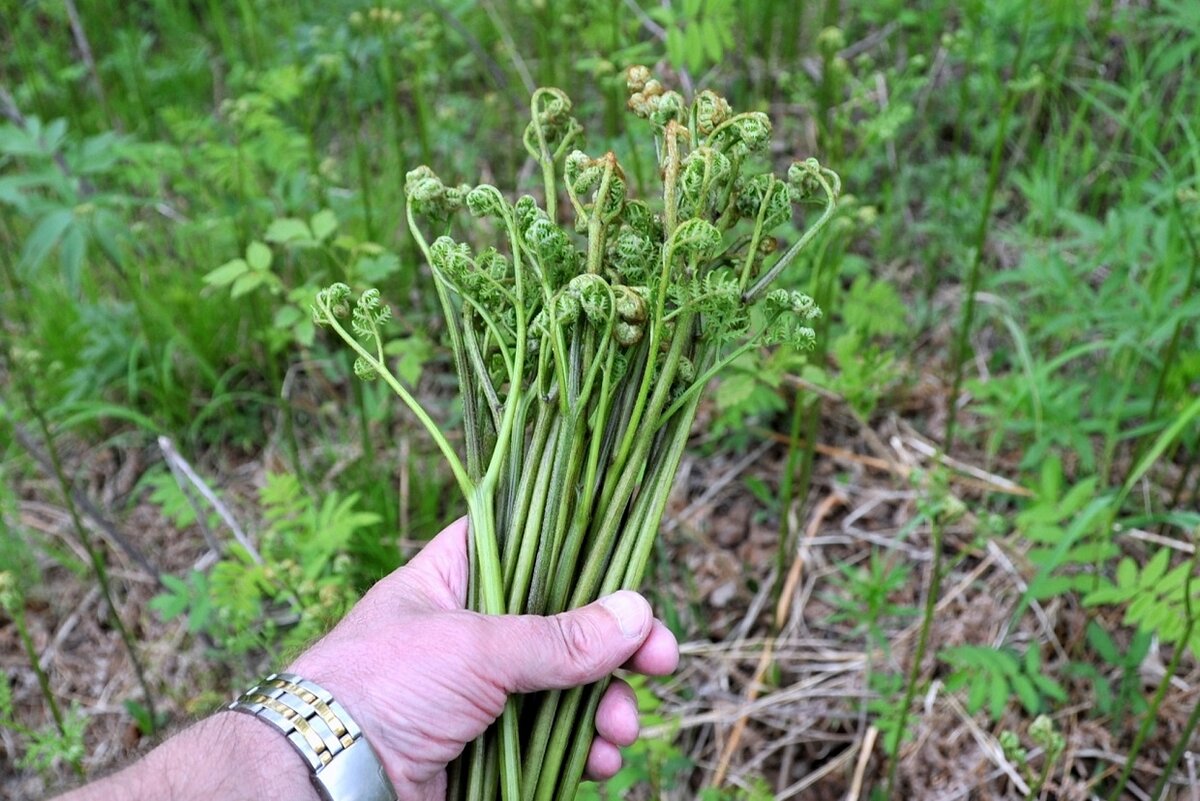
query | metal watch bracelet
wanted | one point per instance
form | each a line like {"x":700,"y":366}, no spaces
{"x":344,"y":765}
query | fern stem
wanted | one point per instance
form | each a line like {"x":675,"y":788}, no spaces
{"x":985,"y":215}
{"x":1181,"y":745}
{"x":18,"y":616}
{"x":94,"y":555}
{"x":914,"y":669}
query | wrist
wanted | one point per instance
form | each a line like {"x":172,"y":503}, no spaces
{"x":354,"y":694}
{"x":254,"y":761}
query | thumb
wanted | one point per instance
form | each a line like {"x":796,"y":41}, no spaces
{"x":532,"y":653}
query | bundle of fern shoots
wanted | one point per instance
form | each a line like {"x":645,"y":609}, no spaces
{"x":582,"y":351}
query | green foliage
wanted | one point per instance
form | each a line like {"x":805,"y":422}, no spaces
{"x":1112,"y":701}
{"x":46,"y":748}
{"x":166,"y":220}
{"x":864,"y":596}
{"x":994,"y":676}
{"x":298,"y":588}
{"x":1156,"y":597}
{"x":1067,"y":529}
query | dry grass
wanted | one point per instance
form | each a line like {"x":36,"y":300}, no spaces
{"x":795,"y":717}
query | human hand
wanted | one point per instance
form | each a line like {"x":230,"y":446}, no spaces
{"x":423,"y":677}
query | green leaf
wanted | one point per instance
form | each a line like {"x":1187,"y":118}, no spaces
{"x":1049,"y":587}
{"x":323,"y":223}
{"x":1027,"y":693}
{"x":710,"y":32}
{"x":258,"y":256}
{"x":1127,"y":574}
{"x":1108,"y":594}
{"x":248,"y":283}
{"x":734,"y":390}
{"x":413,"y":353}
{"x":1050,"y":688}
{"x":376,"y":269}
{"x":1079,"y":494}
{"x":1033,"y":661}
{"x":1155,"y":569}
{"x":675,"y":47}
{"x":305,"y":331}
{"x":70,"y":256}
{"x":44,"y":236}
{"x":288,"y":229}
{"x":997,"y":697}
{"x":977,"y":695}
{"x":227,"y":273}
{"x":1102,"y":644}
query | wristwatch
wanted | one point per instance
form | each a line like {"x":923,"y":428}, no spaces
{"x":344,"y":765}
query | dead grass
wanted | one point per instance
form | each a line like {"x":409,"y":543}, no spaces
{"x":795,"y":718}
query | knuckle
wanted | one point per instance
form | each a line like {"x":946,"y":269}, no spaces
{"x":578,"y":642}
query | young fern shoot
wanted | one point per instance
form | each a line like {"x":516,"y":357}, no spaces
{"x":582,"y":351}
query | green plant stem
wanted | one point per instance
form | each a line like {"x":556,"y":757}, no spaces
{"x":456,"y":467}
{"x":974,"y":273}
{"x":914,"y":670}
{"x":1171,"y":353}
{"x":94,"y":555}
{"x":805,"y":417}
{"x":18,"y":616}
{"x":1181,"y":745}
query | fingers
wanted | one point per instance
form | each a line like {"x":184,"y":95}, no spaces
{"x":617,"y":714}
{"x":658,"y":655}
{"x":616,"y":727}
{"x":604,"y":760}
{"x":534,"y":653}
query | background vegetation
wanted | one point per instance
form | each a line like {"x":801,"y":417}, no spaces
{"x":948,"y":554}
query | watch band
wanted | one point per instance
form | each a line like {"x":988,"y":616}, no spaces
{"x":344,"y":765}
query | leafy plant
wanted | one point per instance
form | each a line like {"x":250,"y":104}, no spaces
{"x":1045,"y":737}
{"x":282,"y":598}
{"x":581,"y":369}
{"x":994,"y":676}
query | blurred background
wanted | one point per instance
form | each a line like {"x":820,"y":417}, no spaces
{"x":948,"y":554}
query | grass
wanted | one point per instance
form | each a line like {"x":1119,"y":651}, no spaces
{"x":1012,"y":284}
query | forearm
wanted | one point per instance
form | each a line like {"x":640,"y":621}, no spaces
{"x":230,"y":756}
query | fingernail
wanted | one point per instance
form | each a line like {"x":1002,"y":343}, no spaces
{"x":629,"y":609}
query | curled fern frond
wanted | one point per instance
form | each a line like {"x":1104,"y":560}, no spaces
{"x":429,"y":195}
{"x":333,"y":301}
{"x":631,"y":306}
{"x":365,"y":370}
{"x":696,"y":238}
{"x":709,"y":110}
{"x":485,"y":201}
{"x":650,"y":100}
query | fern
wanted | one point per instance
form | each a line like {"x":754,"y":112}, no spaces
{"x":995,"y":675}
{"x":1154,"y":597}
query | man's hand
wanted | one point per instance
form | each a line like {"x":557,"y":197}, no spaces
{"x":423,"y":677}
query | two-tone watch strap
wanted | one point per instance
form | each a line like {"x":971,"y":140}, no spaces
{"x":344,"y":766}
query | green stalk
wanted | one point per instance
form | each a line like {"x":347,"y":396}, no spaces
{"x":980,"y":241}
{"x":625,"y":571}
{"x":1181,"y":745}
{"x":94,"y":555}
{"x":805,"y":418}
{"x":914,"y":670}
{"x":18,"y":615}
